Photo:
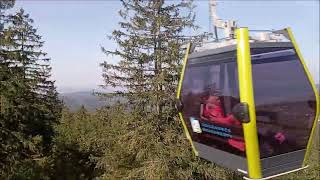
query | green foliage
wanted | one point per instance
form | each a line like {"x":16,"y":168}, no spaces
{"x":142,"y":148}
{"x":115,"y":143}
{"x":29,"y":105}
{"x":147,"y":141}
{"x":73,"y":152}
{"x":30,"y":169}
{"x":150,"y":42}
{"x":139,"y":137}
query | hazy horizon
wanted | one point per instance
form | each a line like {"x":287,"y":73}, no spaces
{"x":74,"y":35}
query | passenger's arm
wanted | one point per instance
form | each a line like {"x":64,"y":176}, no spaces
{"x":201,"y":113}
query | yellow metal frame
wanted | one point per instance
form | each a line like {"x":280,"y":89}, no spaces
{"x":247,"y":96}
{"x":178,"y":97}
{"x":309,"y":146}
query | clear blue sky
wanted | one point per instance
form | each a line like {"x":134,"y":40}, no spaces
{"x":75,"y":30}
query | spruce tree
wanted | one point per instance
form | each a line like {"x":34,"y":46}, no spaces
{"x":29,"y":101}
{"x":150,"y":50}
{"x":10,"y":141}
{"x":38,"y":92}
{"x":4,"y":5}
{"x":148,"y":143}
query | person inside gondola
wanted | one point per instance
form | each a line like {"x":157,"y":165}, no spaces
{"x":211,"y":110}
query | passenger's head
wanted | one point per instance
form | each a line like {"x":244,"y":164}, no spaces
{"x":212,"y":102}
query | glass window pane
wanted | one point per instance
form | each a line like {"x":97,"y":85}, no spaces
{"x":282,"y":94}
{"x":209,"y":92}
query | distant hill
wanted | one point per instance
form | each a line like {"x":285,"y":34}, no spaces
{"x":74,"y":100}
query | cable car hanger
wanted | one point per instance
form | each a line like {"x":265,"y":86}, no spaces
{"x":229,"y":27}
{"x":248,"y":102}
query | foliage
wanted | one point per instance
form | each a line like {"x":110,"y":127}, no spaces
{"x":29,"y":104}
{"x":150,"y":42}
{"x":74,"y":147}
{"x":137,"y":137}
{"x":113,"y":144}
{"x":147,"y":141}
{"x":6,"y":4}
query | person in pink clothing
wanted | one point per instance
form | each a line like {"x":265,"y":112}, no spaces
{"x":212,"y":111}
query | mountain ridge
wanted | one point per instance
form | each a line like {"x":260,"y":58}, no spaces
{"x":87,"y":98}
{"x":74,"y":100}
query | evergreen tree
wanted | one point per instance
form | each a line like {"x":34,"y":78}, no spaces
{"x":29,"y":101}
{"x":76,"y":145}
{"x":10,"y":141}
{"x":4,"y":5}
{"x":150,"y":49}
{"x":148,"y":143}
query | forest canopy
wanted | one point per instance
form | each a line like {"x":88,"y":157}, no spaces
{"x":137,"y":136}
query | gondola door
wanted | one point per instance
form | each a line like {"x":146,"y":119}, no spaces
{"x":207,"y":94}
{"x":285,"y":106}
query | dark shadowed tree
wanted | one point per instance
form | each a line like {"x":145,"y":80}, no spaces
{"x":29,"y":101}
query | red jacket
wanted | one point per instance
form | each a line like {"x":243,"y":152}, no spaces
{"x":215,"y":115}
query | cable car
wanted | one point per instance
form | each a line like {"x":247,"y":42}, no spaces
{"x":250,"y":106}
